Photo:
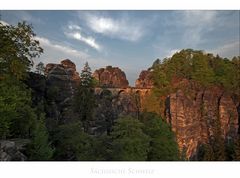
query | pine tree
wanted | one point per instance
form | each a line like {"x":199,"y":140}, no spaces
{"x":72,"y":143}
{"x":86,"y":77}
{"x":129,"y":141}
{"x":39,"y":148}
{"x":163,"y":145}
{"x":84,"y":99}
{"x":40,"y":68}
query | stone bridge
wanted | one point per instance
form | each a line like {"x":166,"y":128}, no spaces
{"x":128,"y":90}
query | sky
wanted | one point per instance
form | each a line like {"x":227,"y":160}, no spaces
{"x":130,"y":40}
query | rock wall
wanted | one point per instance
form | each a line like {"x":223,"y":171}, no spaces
{"x":193,"y":116}
{"x":144,"y":80}
{"x":111,"y":77}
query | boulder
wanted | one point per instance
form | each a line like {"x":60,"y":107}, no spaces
{"x":12,"y":151}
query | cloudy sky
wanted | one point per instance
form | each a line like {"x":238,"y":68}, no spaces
{"x":131,"y":40}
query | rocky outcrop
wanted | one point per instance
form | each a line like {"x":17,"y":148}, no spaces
{"x":11,"y":150}
{"x":144,"y":80}
{"x":65,"y":70}
{"x":195,"y":113}
{"x":61,"y":83}
{"x":114,"y":103}
{"x":111,"y":77}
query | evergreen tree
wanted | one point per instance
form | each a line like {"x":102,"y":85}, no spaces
{"x":217,"y":142}
{"x":129,"y":141}
{"x":16,"y":114}
{"x":71,"y":143}
{"x":84,"y":99}
{"x":40,"y":149}
{"x":40,"y":68}
{"x":202,"y":71}
{"x":163,"y":146}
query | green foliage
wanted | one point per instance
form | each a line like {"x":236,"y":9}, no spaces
{"x":84,"y":99}
{"x":52,"y":93}
{"x":230,"y":150}
{"x":39,"y":148}
{"x":203,"y":68}
{"x":86,"y":77}
{"x":100,"y":149}
{"x":237,"y":149}
{"x":202,"y":72}
{"x":71,"y":142}
{"x":163,"y":146}
{"x":129,"y":141}
{"x":17,"y":48}
{"x":16,"y":114}
{"x":205,"y":153}
{"x":40,"y":68}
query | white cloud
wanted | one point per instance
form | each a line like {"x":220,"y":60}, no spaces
{"x":195,"y":24}
{"x":75,"y":32}
{"x":171,"y":52}
{"x":4,"y":23}
{"x":122,"y":28}
{"x":56,"y":47}
{"x":55,"y":52}
{"x":87,"y":40}
{"x":74,"y":27}
{"x":228,"y":50}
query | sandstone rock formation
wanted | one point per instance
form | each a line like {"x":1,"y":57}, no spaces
{"x":144,"y":80}
{"x":194,"y":114}
{"x":61,"y":82}
{"x":64,"y":71}
{"x":111,"y":77}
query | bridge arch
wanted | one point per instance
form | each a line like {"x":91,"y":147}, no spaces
{"x":105,"y":92}
{"x":121,"y":91}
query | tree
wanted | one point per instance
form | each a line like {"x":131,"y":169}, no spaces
{"x":17,"y":49}
{"x":39,"y":148}
{"x":71,"y":142}
{"x":16,"y":114}
{"x":86,"y":77}
{"x":237,"y":149}
{"x":202,"y":71}
{"x":84,"y":99}
{"x":163,"y":145}
{"x":40,"y":68}
{"x":205,"y":152}
{"x":217,"y":142}
{"x":129,"y":141}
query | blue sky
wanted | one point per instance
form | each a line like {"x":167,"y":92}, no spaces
{"x":131,"y":40}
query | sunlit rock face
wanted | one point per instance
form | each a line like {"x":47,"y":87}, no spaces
{"x":66,"y":70}
{"x":144,"y":80}
{"x":111,"y":77}
{"x":193,"y":114}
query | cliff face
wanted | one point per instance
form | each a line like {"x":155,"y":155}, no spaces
{"x":111,"y":77}
{"x":195,"y":114}
{"x":64,"y":71}
{"x":144,"y":80}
